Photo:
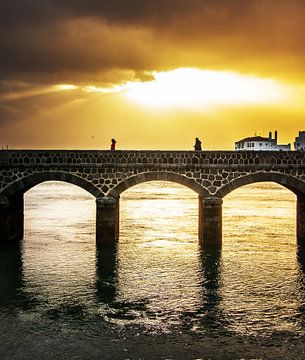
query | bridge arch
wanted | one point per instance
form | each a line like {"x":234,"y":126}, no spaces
{"x":297,"y":186}
{"x":107,"y":223}
{"x":24,"y":184}
{"x":157,"y":176}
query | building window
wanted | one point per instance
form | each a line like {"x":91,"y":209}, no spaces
{"x":260,"y":144}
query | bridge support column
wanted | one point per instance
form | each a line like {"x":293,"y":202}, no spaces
{"x":11,"y":219}
{"x":4,"y":219}
{"x":107,"y":220}
{"x":301,"y":220}
{"x":210,"y":221}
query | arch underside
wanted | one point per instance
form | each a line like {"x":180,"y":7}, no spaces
{"x":22,"y":185}
{"x":292,"y":183}
{"x":157,"y":176}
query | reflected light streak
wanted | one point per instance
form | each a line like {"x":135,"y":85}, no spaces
{"x":254,"y":289}
{"x":163,"y":219}
{"x":161,"y":202}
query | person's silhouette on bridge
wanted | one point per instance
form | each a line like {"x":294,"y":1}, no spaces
{"x":197,"y":145}
{"x":113,"y":142}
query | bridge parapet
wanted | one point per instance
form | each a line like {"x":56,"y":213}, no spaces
{"x":144,"y":158}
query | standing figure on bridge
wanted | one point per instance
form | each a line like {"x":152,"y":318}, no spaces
{"x":197,"y":145}
{"x":113,"y":142}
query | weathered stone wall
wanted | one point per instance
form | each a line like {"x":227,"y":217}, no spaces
{"x":111,"y":172}
{"x":106,"y":174}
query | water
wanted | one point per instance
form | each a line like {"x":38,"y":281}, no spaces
{"x":159,"y":295}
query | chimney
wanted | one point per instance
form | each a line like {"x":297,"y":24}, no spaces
{"x":275,"y":136}
{"x":270,"y":135}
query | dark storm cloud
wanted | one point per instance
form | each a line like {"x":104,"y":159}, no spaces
{"x":65,"y":40}
{"x":136,"y":11}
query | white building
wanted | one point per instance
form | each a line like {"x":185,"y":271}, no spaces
{"x":299,"y":143}
{"x":261,"y":143}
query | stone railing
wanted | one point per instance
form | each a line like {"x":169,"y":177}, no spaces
{"x":151,"y":158}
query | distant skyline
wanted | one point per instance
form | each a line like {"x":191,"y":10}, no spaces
{"x":151,"y":74}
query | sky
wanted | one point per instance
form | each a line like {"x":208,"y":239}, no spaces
{"x":153,"y":74}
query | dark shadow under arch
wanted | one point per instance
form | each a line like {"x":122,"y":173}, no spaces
{"x":297,"y":186}
{"x":157,"y":176}
{"x":26,"y":183}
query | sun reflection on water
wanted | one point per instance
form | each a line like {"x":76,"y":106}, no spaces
{"x":160,"y":278}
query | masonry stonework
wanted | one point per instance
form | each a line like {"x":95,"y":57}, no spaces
{"x":106,"y":174}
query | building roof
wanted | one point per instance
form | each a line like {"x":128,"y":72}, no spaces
{"x":254,"y":138}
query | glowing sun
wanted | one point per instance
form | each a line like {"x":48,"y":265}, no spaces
{"x":187,"y":87}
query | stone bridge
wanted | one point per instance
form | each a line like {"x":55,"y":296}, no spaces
{"x":106,"y":174}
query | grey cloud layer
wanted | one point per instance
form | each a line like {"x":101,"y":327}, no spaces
{"x":134,"y":11}
{"x":58,"y":40}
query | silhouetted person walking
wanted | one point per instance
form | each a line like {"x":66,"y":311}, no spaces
{"x":113,"y":142}
{"x":197,"y":145}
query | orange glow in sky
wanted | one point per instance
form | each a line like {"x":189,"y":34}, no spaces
{"x":151,"y":74}
{"x":193,"y":88}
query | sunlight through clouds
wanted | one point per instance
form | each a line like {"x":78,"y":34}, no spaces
{"x":63,"y":87}
{"x":104,"y":90}
{"x":195,"y":88}
{"x":39,"y":91}
{"x":191,"y":88}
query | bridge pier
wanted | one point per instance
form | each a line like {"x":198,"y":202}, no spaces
{"x":11,"y":218}
{"x":210,"y":221}
{"x":301,"y":220}
{"x":107,"y":220}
